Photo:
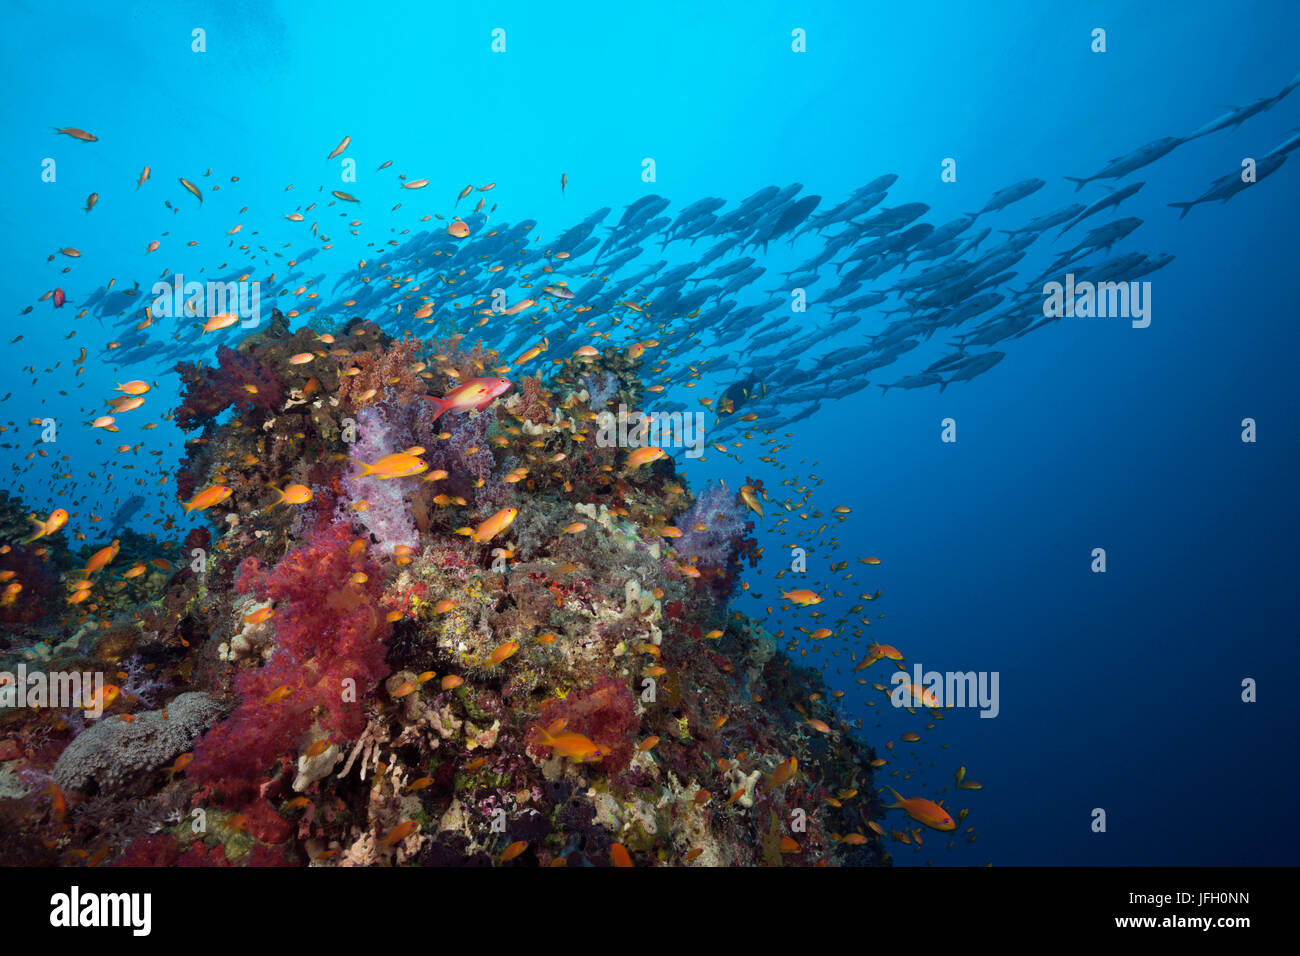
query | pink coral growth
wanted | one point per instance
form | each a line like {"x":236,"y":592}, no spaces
{"x":329,"y":629}
{"x":209,"y":391}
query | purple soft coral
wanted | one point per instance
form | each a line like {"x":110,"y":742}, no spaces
{"x":723,"y":525}
{"x":383,"y":430}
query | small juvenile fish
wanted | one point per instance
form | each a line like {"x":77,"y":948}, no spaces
{"x":75,"y":133}
{"x":340,"y":147}
{"x":513,"y":850}
{"x":400,"y":832}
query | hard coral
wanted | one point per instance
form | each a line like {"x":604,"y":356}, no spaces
{"x":114,"y":753}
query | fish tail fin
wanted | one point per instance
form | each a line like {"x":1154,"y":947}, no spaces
{"x":973,"y":216}
{"x":1186,"y":207}
{"x":943,"y":385}
{"x":884,"y":389}
{"x":468,"y":532}
{"x":1075,"y":179}
{"x":898,"y":804}
{"x":440,"y":405}
{"x":365,"y":469}
{"x":40,"y":530}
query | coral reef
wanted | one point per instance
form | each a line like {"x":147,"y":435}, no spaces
{"x":523,"y":641}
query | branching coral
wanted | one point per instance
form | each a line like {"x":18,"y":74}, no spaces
{"x":380,"y":375}
{"x":534,"y":402}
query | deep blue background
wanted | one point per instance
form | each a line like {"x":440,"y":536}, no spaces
{"x":1118,"y":691}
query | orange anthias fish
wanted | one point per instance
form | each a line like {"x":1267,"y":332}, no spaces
{"x":258,"y":616}
{"x":57,"y":519}
{"x":492,"y":527}
{"x":293,"y":495}
{"x":644,"y":456}
{"x":783,"y":773}
{"x":914,"y":695}
{"x":533,"y":352}
{"x":222,"y":320}
{"x":513,"y":850}
{"x":402,"y":464}
{"x":477,"y":393}
{"x":401,"y":832}
{"x":102,"y":557}
{"x":183,"y":761}
{"x":208,"y":497}
{"x":922,"y":811}
{"x":619,"y":856}
{"x":802,"y":596}
{"x":570,"y":744}
{"x":503,"y":652}
{"x":102,"y":698}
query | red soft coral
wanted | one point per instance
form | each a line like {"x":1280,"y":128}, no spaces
{"x":604,"y":713}
{"x":209,"y":391}
{"x":330,"y":630}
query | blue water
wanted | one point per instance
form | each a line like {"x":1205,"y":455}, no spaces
{"x":1119,"y":691}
